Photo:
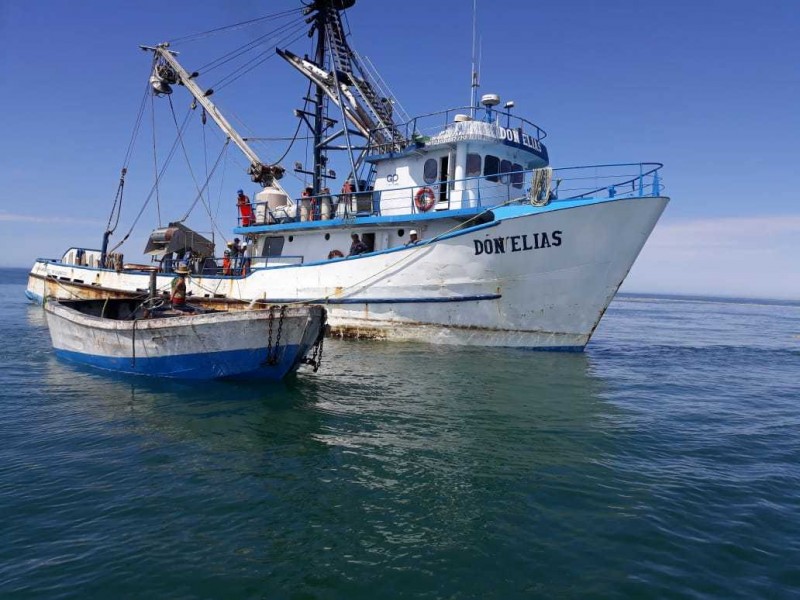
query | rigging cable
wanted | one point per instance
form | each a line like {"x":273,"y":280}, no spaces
{"x":297,"y":130}
{"x":200,"y":191}
{"x":222,"y":184}
{"x":152,"y":189}
{"x":244,"y":48}
{"x":116,"y":208}
{"x":186,"y":156}
{"x":196,"y":36}
{"x":155,"y":156}
{"x":297,"y":32}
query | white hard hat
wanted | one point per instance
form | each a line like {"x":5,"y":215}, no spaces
{"x":412,"y":232}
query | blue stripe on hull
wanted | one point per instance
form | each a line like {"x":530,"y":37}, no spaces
{"x":430,"y":300}
{"x":555,"y":348}
{"x":241,"y":364}
{"x":35,"y":298}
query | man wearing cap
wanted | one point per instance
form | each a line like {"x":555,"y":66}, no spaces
{"x":413,"y":238}
{"x":226,"y":260}
{"x":245,"y":209}
{"x":178,"y":296}
{"x":357,"y":247}
{"x":236,"y":254}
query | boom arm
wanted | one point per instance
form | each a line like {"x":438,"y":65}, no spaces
{"x":266,"y":175}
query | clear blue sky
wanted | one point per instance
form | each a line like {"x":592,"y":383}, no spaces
{"x":711,"y":88}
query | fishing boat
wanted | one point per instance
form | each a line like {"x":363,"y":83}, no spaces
{"x":451,"y":227}
{"x":145,"y":338}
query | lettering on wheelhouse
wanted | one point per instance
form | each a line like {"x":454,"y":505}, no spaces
{"x":518,"y":243}
{"x":517,"y":137}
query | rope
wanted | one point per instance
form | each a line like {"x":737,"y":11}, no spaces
{"x":540,"y":187}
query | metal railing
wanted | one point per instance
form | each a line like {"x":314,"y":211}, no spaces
{"x":431,"y":123}
{"x":619,"y":180}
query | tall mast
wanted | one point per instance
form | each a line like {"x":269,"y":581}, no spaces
{"x":338,"y":77}
{"x":319,"y":108}
{"x":473,"y":99}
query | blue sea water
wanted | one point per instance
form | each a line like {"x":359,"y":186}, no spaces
{"x":664,"y":462}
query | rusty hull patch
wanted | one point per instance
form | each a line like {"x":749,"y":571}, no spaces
{"x":352,"y":332}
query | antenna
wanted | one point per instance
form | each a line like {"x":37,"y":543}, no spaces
{"x":473,"y":99}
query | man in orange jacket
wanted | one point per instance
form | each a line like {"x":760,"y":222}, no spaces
{"x":245,"y":209}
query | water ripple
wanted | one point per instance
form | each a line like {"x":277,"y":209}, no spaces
{"x":657,"y":465}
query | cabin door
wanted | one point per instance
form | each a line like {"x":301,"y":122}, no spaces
{"x":369,"y":241}
{"x":444,"y":170}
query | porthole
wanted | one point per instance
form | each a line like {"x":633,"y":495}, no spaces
{"x":327,"y":236}
{"x":291,"y":238}
{"x":401,"y":232}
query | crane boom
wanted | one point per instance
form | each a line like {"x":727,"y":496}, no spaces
{"x":266,"y":175}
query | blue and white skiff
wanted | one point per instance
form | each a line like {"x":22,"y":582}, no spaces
{"x":120,"y":336}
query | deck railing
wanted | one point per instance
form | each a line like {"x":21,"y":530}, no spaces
{"x":621,"y":180}
{"x":422,"y":127}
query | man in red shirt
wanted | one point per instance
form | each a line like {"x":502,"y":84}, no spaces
{"x":245,"y":209}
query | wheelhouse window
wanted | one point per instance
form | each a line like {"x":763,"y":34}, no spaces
{"x":473,"y":165}
{"x":517,"y":176}
{"x":491,"y":167}
{"x":273,"y":246}
{"x":430,"y":171}
{"x":505,"y":169}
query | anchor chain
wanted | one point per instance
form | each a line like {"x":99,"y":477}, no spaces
{"x":272,"y":353}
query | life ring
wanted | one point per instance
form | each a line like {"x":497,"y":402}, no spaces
{"x":424,"y":199}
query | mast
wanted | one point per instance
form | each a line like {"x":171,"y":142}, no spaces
{"x":319,"y":108}
{"x":473,"y":97}
{"x":338,"y":77}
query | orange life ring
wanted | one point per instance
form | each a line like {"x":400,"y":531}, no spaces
{"x":424,"y":199}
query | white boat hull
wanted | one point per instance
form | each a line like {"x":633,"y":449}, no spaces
{"x":206,"y":346}
{"x":498,"y":284}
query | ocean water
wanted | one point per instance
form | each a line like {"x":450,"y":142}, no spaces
{"x":664,"y":462}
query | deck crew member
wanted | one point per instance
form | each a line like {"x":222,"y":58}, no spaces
{"x":226,"y":261}
{"x":307,"y":205}
{"x":236,"y":254}
{"x":245,"y":257}
{"x":413,"y":238}
{"x":327,"y":207}
{"x":357,"y":247}
{"x":178,"y":296}
{"x":346,"y":196}
{"x":245,"y":209}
